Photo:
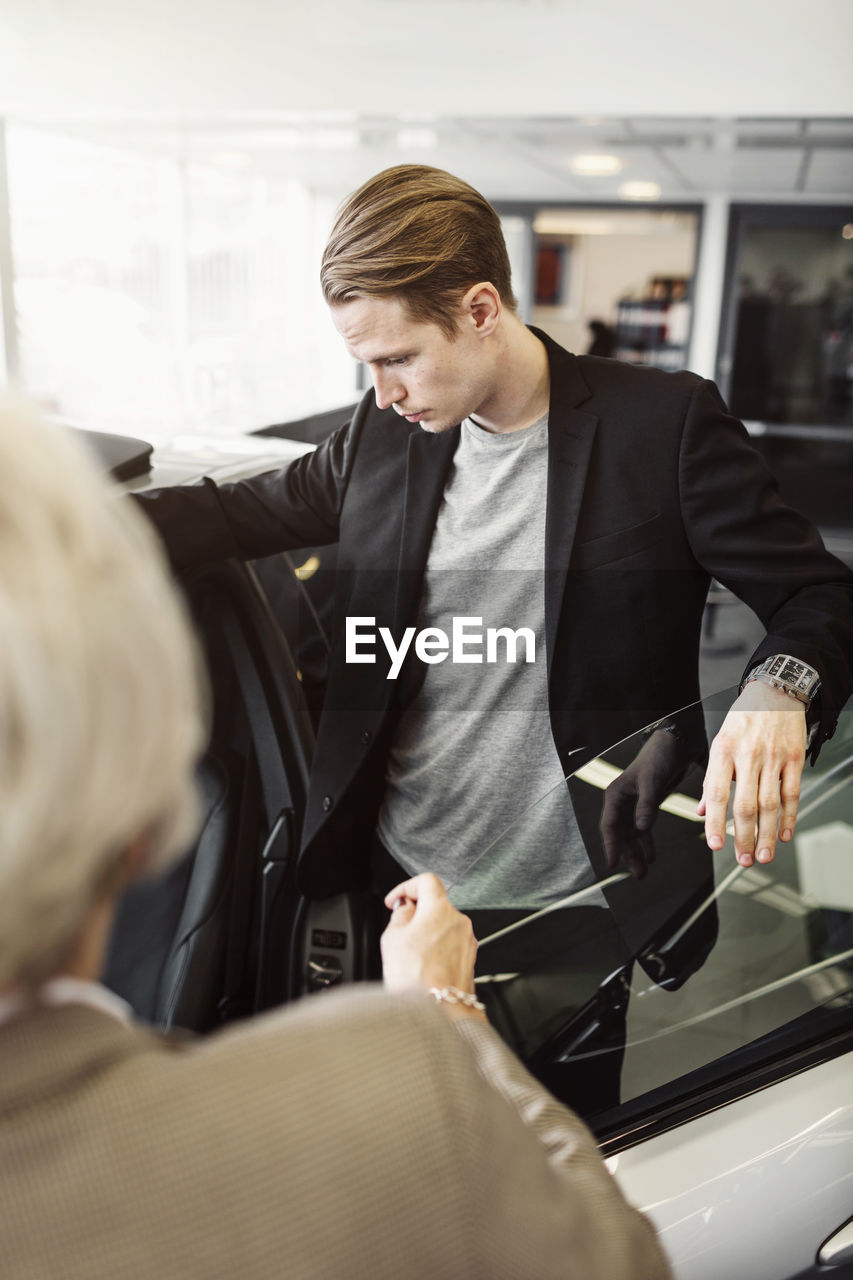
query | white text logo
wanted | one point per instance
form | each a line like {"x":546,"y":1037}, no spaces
{"x":466,"y":643}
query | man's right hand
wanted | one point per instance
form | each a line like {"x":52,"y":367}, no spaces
{"x":427,"y":942}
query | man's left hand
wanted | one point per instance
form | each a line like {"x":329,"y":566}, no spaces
{"x":761,"y":747}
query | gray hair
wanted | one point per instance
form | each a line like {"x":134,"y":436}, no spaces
{"x":100,"y":694}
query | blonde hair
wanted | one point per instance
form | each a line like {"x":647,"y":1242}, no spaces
{"x":420,"y":234}
{"x":100,"y":694}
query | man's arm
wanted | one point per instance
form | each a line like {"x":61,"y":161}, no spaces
{"x":541,"y":1201}
{"x":774,"y":560}
{"x":294,"y":506}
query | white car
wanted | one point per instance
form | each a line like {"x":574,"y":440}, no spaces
{"x":699,"y":1016}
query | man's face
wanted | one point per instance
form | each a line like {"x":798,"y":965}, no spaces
{"x":415,"y":367}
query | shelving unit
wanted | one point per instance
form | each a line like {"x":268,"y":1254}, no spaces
{"x":654,"y":330}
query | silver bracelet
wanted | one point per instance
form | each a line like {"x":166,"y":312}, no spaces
{"x":452,"y":995}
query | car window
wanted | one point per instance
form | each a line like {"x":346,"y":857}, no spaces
{"x":635,"y":997}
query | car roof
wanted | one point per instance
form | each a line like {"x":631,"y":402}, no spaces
{"x":182,"y":458}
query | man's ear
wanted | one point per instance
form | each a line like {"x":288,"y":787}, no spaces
{"x":482,"y":306}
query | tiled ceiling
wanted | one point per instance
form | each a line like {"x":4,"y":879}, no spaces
{"x":520,"y":158}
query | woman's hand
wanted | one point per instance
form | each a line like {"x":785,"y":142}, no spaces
{"x":428,"y":943}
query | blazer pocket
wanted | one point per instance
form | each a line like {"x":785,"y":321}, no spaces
{"x":606,"y":550}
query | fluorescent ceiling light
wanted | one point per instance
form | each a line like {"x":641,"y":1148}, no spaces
{"x":639,"y":191}
{"x":596,"y":164}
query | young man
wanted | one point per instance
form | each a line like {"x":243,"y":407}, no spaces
{"x":376,"y":1133}
{"x":572,"y":508}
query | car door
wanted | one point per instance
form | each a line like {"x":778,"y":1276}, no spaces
{"x":226,"y":933}
{"x":211,"y":939}
{"x":701,"y":1017}
{"x":217,"y":936}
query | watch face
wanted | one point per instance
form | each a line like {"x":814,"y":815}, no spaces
{"x":791,"y":671}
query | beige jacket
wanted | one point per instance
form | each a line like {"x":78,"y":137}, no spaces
{"x":351,"y":1136}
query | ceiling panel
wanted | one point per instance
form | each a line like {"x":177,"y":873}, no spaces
{"x":702,"y":170}
{"x":513,"y":158}
{"x":766,"y":169}
{"x":830,"y":170}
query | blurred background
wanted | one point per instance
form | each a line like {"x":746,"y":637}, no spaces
{"x":676,"y":186}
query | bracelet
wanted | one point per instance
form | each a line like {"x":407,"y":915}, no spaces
{"x":452,"y":995}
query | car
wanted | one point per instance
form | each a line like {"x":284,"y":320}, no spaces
{"x":699,"y":1014}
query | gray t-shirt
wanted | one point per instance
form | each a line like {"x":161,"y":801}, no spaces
{"x":474,"y":749}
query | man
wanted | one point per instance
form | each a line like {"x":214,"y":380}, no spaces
{"x":362,"y":1135}
{"x":493,"y":478}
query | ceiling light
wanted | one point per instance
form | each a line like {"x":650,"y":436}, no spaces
{"x":639,"y":191}
{"x":595,"y":165}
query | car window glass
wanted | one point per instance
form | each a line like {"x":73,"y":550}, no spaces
{"x":628,"y":993}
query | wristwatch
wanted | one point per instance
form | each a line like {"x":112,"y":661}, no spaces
{"x":794,"y":677}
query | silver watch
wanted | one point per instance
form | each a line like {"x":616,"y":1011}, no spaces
{"x":794,"y":677}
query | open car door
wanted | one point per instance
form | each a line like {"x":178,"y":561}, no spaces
{"x":211,"y":939}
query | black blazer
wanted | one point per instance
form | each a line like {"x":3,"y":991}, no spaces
{"x":653,"y":488}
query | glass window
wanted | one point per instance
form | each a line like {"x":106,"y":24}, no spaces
{"x":792,"y":354}
{"x":786,"y":352}
{"x":637,"y":994}
{"x":158,"y":290}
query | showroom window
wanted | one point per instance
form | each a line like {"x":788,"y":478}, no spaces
{"x":158,"y":286}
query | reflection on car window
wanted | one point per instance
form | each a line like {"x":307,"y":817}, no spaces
{"x":679,"y":966}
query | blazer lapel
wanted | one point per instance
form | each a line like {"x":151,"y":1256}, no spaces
{"x":427,"y":464}
{"x":571,"y":432}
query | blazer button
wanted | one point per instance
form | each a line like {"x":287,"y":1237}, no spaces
{"x":365,"y":736}
{"x":327,"y":803}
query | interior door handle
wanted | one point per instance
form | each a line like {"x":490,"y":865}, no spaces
{"x":838,"y":1248}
